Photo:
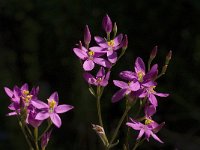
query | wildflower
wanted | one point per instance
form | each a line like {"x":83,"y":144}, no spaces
{"x":91,"y":57}
{"x":87,"y":35}
{"x":107,"y":24}
{"x":101,"y":78}
{"x":52,"y":109}
{"x":45,"y":139}
{"x":140,"y":72}
{"x":126,"y":89}
{"x":150,"y":93}
{"x":109,"y":47}
{"x":149,"y":128}
{"x":21,"y":98}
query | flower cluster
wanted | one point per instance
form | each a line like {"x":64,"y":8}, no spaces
{"x":104,"y":53}
{"x":137,"y":86}
{"x":31,"y":111}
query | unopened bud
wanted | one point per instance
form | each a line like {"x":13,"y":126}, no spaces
{"x":164,"y":69}
{"x":80,"y":45}
{"x":115,"y":29}
{"x":87,"y":35}
{"x":100,"y":131}
{"x":107,"y":24}
{"x":153,"y":52}
{"x":168,"y":57}
{"x":125,"y":42}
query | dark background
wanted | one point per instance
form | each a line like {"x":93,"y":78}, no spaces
{"x":36,"y":41}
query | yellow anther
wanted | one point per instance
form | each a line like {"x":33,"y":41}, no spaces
{"x":151,"y":89}
{"x":25,"y":92}
{"x":99,"y":80}
{"x":51,"y":103}
{"x":91,"y":53}
{"x":148,"y":121}
{"x":140,"y":75}
{"x":111,"y":43}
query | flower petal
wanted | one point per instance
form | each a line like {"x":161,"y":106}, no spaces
{"x":54,"y":96}
{"x":140,"y":134}
{"x":135,"y":126}
{"x":127,"y":75}
{"x":56,"y":119}
{"x":39,"y":104}
{"x":11,"y":114}
{"x":112,"y":56}
{"x":152,"y":73}
{"x":63,"y":108}
{"x":156,"y":138}
{"x":149,"y":110}
{"x":134,"y":86}
{"x":42,"y":115}
{"x":80,"y":53}
{"x":97,"y":49}
{"x":101,"y":41}
{"x":89,"y":78}
{"x":119,"y":95}
{"x":8,"y":92}
{"x":121,"y":84}
{"x":101,"y":72}
{"x":88,"y":65}
{"x":153,"y":100}
{"x":24,"y":87}
{"x":161,"y":94}
{"x":102,"y":62}
{"x":139,"y":65}
{"x":118,"y":40}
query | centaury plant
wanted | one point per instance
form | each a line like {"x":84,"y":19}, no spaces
{"x":136,"y":87}
{"x":32,"y":112}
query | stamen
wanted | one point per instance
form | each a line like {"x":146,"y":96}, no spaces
{"x":111,"y":43}
{"x":148,"y":121}
{"x":140,"y":75}
{"x":52,"y":104}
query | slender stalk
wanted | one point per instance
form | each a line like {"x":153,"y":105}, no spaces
{"x":138,"y":143}
{"x":48,"y":127}
{"x":25,"y":135}
{"x":99,"y":93}
{"x":36,"y":138}
{"x":149,"y":64}
{"x":118,"y":126}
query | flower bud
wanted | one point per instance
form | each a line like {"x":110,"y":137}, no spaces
{"x":45,"y":139}
{"x":100,"y":131}
{"x":164,"y":69}
{"x":115,"y":29}
{"x":153,"y":52}
{"x":125,"y":42}
{"x":107,"y":24}
{"x":87,"y":35}
{"x":168,"y":57}
{"x":80,"y":44}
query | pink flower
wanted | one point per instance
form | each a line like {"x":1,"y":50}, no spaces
{"x":52,"y":109}
{"x":90,"y":57}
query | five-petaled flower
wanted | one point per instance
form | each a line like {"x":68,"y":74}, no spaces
{"x":109,"y":47}
{"x":101,"y":78}
{"x":149,"y":128}
{"x":90,"y":57}
{"x":52,"y":109}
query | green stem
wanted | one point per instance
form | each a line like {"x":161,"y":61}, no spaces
{"x":99,"y":93}
{"x":108,"y":36}
{"x":36,"y":138}
{"x":25,"y":135}
{"x":138,"y":143}
{"x":48,"y":127}
{"x":118,"y":126}
{"x":149,"y":64}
